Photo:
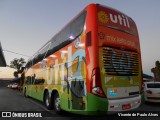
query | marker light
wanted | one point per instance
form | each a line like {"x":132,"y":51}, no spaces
{"x":71,"y":37}
{"x":96,"y":86}
{"x":81,"y":45}
{"x":45,"y":59}
{"x":53,"y":56}
{"x":97,"y":91}
{"x":64,"y":51}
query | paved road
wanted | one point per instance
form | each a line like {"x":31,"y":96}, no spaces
{"x":12,"y":100}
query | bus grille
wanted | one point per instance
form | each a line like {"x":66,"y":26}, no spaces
{"x":120,"y":62}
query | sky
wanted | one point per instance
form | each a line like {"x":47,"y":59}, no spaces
{"x":26,"y":25}
{"x":6,"y":72}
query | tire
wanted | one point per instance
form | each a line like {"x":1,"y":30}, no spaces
{"x":48,"y":101}
{"x":57,"y":107}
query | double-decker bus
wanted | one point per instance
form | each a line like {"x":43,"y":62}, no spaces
{"x":92,"y":65}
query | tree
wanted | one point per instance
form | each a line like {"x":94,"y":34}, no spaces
{"x":15,"y":74}
{"x":156,"y":71}
{"x":17,"y":64}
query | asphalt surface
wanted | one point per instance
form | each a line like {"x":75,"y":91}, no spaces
{"x":13,"y":101}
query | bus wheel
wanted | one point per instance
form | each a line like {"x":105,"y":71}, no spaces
{"x":57,"y":107}
{"x":48,"y":101}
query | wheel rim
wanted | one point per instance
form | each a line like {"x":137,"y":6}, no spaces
{"x":57,"y":103}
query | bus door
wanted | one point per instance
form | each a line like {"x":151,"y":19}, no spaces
{"x":31,"y":87}
{"x":37,"y":87}
{"x":77,"y":85}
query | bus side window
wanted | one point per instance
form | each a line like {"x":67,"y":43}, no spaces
{"x":39,"y":81}
{"x":28,"y":81}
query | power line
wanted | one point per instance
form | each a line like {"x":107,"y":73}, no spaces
{"x":16,"y":53}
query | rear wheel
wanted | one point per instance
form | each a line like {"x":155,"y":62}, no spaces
{"x":57,"y":104}
{"x":48,"y":101}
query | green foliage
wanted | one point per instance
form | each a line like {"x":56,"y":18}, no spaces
{"x":17,"y":64}
{"x":156,"y":71}
{"x":15,"y":74}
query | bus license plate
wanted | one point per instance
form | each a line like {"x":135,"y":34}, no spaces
{"x":126,"y":106}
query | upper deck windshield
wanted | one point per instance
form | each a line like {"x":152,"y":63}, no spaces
{"x":114,"y":19}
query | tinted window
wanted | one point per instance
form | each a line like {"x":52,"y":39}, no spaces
{"x":61,"y":39}
{"x":28,"y":81}
{"x":153,"y":85}
{"x":41,"y":54}
{"x":39,"y":81}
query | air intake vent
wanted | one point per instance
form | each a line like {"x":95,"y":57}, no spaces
{"x":119,"y":62}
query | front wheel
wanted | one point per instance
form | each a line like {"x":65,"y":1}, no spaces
{"x":57,"y":104}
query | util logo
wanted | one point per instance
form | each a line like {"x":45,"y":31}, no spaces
{"x":117,"y":19}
